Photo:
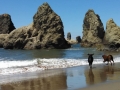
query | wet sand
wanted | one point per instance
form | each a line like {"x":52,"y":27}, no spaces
{"x":74,"y":78}
{"x":115,"y":85}
{"x":105,"y":77}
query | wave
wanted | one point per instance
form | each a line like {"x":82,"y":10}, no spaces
{"x":12,"y":67}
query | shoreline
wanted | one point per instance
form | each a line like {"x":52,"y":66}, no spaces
{"x":109,"y":74}
{"x":77,"y":77}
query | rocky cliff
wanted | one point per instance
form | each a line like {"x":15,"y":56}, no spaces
{"x":93,"y":30}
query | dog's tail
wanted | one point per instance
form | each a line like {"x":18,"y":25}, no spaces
{"x":112,"y":58}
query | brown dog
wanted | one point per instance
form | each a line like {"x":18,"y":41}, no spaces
{"x":108,"y":58}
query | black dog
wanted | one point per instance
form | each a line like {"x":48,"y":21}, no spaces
{"x":90,"y":59}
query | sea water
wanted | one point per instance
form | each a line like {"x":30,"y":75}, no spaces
{"x":21,"y":61}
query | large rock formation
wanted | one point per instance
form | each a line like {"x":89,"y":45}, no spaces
{"x":6,"y":25}
{"x":46,"y":31}
{"x":93,"y":30}
{"x":112,"y":34}
{"x":2,"y":39}
{"x":50,"y":27}
{"x":18,"y":38}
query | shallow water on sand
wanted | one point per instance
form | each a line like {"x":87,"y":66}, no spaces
{"x":72,"y":78}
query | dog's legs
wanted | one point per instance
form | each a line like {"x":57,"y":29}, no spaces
{"x":113,"y":61}
{"x":107,"y":63}
{"x":90,"y":65}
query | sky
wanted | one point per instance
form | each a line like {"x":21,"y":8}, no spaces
{"x":72,"y":12}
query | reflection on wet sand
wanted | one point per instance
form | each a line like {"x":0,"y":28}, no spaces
{"x":109,"y":70}
{"x":112,"y":72}
{"x":91,"y":76}
{"x":55,"y":82}
{"x":94,"y":76}
{"x":64,"y":79}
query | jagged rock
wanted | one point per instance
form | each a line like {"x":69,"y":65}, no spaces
{"x":112,"y":35}
{"x":18,"y":38}
{"x":6,"y":25}
{"x":68,"y":36}
{"x":50,"y":28}
{"x":93,"y":30}
{"x":78,"y":39}
{"x":2,"y":39}
{"x":46,"y":31}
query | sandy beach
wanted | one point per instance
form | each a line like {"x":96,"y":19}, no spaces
{"x":100,"y":77}
{"x":115,"y":85}
{"x":110,"y":78}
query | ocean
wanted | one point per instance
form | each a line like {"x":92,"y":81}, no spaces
{"x":16,"y":65}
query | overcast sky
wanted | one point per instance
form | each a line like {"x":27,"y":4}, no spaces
{"x":72,"y":12}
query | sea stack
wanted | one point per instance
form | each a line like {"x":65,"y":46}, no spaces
{"x":50,"y":28}
{"x":68,"y":36}
{"x":93,"y":30}
{"x":6,"y":24}
{"x":112,"y":34}
{"x":46,"y":31}
{"x":78,"y":39}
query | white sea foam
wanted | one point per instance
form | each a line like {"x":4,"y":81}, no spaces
{"x":11,"y":67}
